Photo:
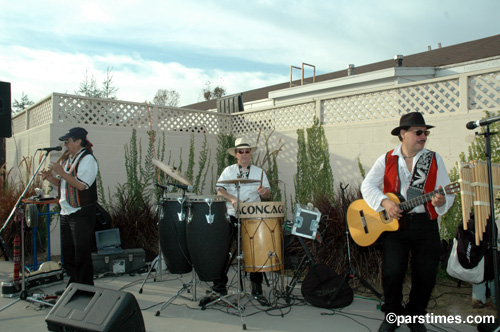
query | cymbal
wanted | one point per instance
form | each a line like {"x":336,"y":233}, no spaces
{"x":171,"y":172}
{"x":235,"y":181}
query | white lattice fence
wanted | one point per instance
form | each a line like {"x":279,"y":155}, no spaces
{"x":19,"y":123}
{"x":370,"y":106}
{"x":102,"y":112}
{"x":484,"y":91}
{"x":175,"y":119}
{"x":42,"y":114}
{"x":293,"y":116}
{"x":439,"y":97}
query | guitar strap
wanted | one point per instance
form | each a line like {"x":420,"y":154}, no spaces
{"x":420,"y":173}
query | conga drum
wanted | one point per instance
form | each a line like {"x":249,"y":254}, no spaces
{"x":208,"y":234}
{"x":172,"y":232}
{"x":261,"y":236}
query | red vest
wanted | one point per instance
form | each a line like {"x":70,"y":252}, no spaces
{"x":392,"y":183}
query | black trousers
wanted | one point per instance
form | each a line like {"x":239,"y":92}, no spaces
{"x":77,"y":233}
{"x":221,"y":283}
{"x":417,"y":239}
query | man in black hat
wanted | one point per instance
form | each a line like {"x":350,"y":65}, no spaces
{"x":76,"y":178}
{"x":409,"y":170}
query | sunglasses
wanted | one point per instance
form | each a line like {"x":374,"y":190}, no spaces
{"x":420,"y":132}
{"x":244,"y":151}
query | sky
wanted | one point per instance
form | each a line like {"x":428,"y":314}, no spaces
{"x":52,"y":45}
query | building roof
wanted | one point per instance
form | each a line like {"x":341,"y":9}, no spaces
{"x":454,"y":54}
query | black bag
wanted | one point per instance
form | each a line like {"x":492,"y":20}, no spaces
{"x":468,"y":261}
{"x":469,"y":254}
{"x":320,"y":286}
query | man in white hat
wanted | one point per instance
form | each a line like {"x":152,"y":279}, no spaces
{"x":249,"y":192}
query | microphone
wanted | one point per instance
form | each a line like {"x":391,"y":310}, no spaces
{"x":484,"y":122}
{"x":181,"y":186}
{"x":54,"y":148}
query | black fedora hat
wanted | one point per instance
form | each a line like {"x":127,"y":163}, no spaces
{"x":413,"y":119}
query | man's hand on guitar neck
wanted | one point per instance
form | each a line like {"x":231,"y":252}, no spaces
{"x":438,"y":199}
{"x":392,"y":209}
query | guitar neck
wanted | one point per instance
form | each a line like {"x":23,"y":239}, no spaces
{"x":408,"y":205}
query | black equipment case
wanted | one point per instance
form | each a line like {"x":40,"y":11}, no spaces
{"x":130,"y":260}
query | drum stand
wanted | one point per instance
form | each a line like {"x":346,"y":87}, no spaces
{"x":300,"y":270}
{"x":185,"y":287}
{"x":240,"y":292}
{"x":157,"y":261}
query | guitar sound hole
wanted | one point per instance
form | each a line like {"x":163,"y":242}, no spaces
{"x":363,"y":221}
{"x":385,"y":217}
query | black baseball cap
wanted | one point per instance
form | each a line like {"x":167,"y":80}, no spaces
{"x":74,"y":133}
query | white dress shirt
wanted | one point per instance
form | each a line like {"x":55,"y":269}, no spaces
{"x":371,"y":188}
{"x":248,"y":191}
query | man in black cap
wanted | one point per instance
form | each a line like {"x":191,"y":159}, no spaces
{"x":76,"y":178}
{"x":409,"y":170}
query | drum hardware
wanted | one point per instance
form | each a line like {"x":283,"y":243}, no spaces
{"x":181,"y":215}
{"x":209,"y":216}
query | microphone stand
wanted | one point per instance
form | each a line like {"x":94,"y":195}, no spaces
{"x":494,"y":231}
{"x":24,"y":294}
{"x":351,"y":272}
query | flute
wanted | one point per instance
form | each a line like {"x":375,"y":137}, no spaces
{"x":64,"y":156}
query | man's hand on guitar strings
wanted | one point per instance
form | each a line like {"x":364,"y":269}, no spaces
{"x":392,"y":209}
{"x":438,"y":199}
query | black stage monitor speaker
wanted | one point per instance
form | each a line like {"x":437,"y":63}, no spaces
{"x":88,"y":308}
{"x":5,"y":110}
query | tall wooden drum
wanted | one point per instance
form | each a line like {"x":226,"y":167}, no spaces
{"x":261,"y":236}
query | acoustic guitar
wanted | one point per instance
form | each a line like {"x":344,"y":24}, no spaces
{"x":366,"y":225}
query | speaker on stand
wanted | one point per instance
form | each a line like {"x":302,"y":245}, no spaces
{"x":5,"y":110}
{"x":5,"y":119}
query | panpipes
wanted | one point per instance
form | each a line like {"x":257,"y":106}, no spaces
{"x":474,"y":189}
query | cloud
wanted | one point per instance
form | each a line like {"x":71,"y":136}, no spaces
{"x":167,"y":44}
{"x":39,"y":73}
